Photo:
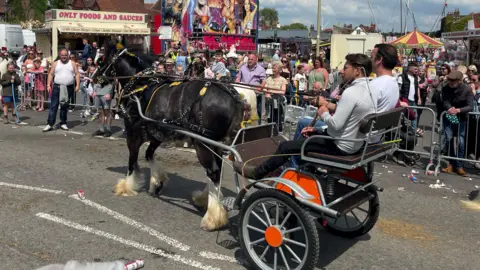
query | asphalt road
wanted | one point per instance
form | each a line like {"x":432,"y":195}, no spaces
{"x":419,"y":227}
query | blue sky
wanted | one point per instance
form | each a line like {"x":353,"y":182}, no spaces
{"x":387,"y":12}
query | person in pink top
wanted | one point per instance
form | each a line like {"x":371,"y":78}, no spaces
{"x":39,"y":83}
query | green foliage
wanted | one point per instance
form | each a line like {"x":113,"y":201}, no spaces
{"x":454,"y":24}
{"x":268,"y":18}
{"x":294,"y":26}
{"x":24,"y":11}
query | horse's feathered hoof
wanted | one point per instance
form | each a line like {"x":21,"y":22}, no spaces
{"x":123,"y":188}
{"x":155,"y":189}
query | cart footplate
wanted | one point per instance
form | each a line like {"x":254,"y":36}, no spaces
{"x":352,"y":202}
{"x":228,"y":203}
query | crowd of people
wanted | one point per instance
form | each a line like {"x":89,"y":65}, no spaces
{"x":365,"y":84}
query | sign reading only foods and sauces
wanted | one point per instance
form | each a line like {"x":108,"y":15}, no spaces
{"x":94,"y":16}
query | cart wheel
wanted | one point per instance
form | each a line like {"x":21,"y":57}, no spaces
{"x":351,"y":225}
{"x":275,"y":232}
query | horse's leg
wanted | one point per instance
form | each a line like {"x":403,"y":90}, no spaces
{"x":127,"y":186}
{"x":216,"y":215}
{"x":158,"y":176}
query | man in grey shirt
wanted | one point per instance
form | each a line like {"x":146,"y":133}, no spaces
{"x":102,"y":92}
{"x":357,"y":101}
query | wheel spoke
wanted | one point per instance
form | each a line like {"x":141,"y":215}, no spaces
{"x":355,"y":216}
{"x":363,"y":210}
{"x":294,"y":242}
{"x":293,"y":253}
{"x":264,"y":252}
{"x":283,"y":257}
{"x":285,"y":219}
{"x":292,"y":230}
{"x":277,"y":213}
{"x":259,"y":218}
{"x":346,"y":221}
{"x":255,"y":229}
{"x":266,"y":215}
{"x":275,"y":257}
{"x":257,"y":241}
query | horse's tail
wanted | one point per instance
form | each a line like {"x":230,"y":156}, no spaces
{"x":236,"y":121}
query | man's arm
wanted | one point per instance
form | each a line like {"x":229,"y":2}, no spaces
{"x":470,"y":100}
{"x":343,"y":111}
{"x":77,"y":77}
{"x":446,"y":99}
{"x":50,"y":76}
{"x":239,"y":76}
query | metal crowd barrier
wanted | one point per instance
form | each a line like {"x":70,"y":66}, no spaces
{"x":413,"y":145}
{"x":458,"y":138}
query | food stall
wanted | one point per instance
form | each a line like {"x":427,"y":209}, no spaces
{"x":71,"y":26}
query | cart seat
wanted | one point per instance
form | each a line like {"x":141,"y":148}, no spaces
{"x":378,"y":124}
{"x":372,"y":151}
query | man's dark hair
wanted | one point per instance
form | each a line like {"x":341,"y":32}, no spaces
{"x":412,"y":64}
{"x":359,"y":60}
{"x":389,"y":55}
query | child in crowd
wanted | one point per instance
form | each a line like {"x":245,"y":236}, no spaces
{"x":9,"y":95}
{"x":39,"y":83}
{"x":102,"y":93}
{"x":300,"y":81}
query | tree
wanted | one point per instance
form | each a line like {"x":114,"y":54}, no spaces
{"x":24,"y":10}
{"x":294,"y":26}
{"x":268,"y":18}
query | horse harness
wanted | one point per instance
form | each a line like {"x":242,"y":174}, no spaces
{"x":181,"y":121}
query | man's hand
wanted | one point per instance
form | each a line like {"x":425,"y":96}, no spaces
{"x":94,"y":94}
{"x":77,"y":88}
{"x":403,"y":104}
{"x":322,"y":101}
{"x":322,"y":110}
{"x":419,"y":102}
{"x":107,"y":96}
{"x":307,"y":131}
{"x":453,"y":111}
{"x":49,"y":88}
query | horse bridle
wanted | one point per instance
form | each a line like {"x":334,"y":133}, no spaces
{"x":114,"y":59}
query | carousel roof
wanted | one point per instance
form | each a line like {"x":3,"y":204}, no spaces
{"x":416,"y":39}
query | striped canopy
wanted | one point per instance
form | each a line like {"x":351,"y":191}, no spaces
{"x":416,"y":39}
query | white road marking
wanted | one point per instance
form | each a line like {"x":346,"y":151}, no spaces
{"x":133,"y":223}
{"x":220,"y":257}
{"x":124,"y":241}
{"x":32,"y":188}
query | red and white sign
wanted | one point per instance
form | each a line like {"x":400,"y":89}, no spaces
{"x":94,"y":16}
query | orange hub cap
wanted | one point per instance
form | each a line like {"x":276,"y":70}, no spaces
{"x":273,"y":236}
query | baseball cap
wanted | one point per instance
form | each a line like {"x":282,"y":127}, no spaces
{"x":455,"y":75}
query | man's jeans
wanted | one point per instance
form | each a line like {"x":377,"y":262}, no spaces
{"x":303,"y":123}
{"x":414,"y":122}
{"x":55,"y":101}
{"x":451,"y":131}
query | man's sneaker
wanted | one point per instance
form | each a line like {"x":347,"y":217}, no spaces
{"x":108,"y":133}
{"x":47,"y":128}
{"x":5,"y":120}
{"x":98,"y":133}
{"x":64,"y":127}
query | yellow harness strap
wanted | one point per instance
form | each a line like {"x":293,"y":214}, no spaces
{"x":151,"y":97}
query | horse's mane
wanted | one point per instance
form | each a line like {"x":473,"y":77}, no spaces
{"x":133,"y":62}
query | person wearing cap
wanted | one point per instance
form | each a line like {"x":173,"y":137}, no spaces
{"x":169,"y":64}
{"x":457,"y":99}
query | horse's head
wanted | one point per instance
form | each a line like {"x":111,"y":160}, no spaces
{"x":120,"y":62}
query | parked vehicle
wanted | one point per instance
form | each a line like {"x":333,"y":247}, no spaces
{"x":11,"y":39}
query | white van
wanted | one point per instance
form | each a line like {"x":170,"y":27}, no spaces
{"x":29,"y":37}
{"x":11,"y":39}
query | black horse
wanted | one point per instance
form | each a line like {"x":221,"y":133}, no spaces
{"x":211,"y":109}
